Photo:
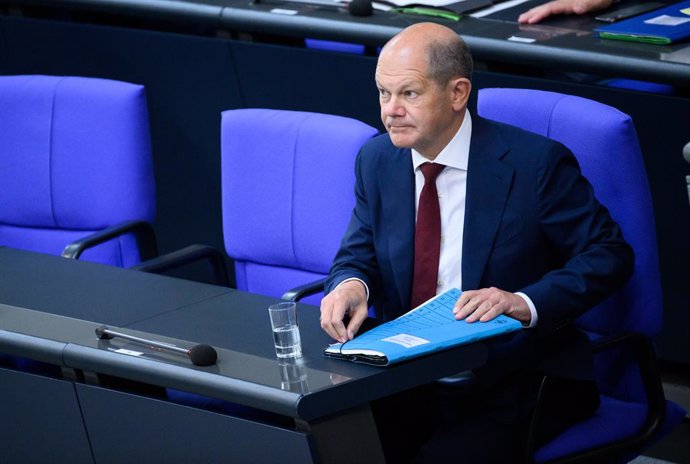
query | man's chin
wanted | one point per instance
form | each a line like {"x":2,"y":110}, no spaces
{"x":400,"y":141}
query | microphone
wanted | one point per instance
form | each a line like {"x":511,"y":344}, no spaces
{"x":201,"y":355}
{"x":360,"y":8}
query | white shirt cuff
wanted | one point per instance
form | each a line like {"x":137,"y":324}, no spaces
{"x":532,"y":310}
{"x":366,"y":288}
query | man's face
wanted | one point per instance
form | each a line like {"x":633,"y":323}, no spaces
{"x":415,"y":110}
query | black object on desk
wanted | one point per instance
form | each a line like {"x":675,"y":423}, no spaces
{"x":200,"y":355}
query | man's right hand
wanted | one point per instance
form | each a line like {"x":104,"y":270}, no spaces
{"x":350,"y":298}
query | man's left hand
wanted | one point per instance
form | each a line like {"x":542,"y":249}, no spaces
{"x":487,"y":303}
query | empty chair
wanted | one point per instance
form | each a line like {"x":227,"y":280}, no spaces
{"x":633,"y":411}
{"x":287,"y":181}
{"x":76,"y":173}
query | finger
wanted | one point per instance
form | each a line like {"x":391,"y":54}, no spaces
{"x":356,"y":321}
{"x":330,"y":319}
{"x":339,"y":329}
{"x":481,"y":310}
{"x":538,"y":13}
{"x":544,"y":11}
{"x":493,"y":313}
{"x":539,"y":16}
{"x":532,"y":16}
{"x":335,"y":327}
{"x":471,"y":307}
{"x":465,"y":298}
{"x":466,"y":310}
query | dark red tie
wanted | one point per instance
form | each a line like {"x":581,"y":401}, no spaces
{"x":427,"y":237}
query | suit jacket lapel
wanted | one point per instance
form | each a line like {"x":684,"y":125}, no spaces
{"x":488,"y":185}
{"x":397,"y":187}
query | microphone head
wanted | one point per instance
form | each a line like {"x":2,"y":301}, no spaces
{"x":686,"y":152}
{"x":360,"y":8}
{"x":203,"y":355}
{"x":102,"y":334}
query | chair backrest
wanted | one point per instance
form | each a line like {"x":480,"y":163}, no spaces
{"x":605,"y":144}
{"x":75,"y":158}
{"x":287,"y":183}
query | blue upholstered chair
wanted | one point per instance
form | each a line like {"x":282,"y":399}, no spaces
{"x":287,"y":195}
{"x":287,"y":183}
{"x":633,"y":412}
{"x":76,"y":173}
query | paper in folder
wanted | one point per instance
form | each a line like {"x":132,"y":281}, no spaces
{"x":663,"y":26}
{"x":428,"y":328}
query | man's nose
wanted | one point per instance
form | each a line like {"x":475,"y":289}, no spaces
{"x":393,"y":107}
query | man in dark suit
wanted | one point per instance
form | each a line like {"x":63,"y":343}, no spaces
{"x":521,"y":234}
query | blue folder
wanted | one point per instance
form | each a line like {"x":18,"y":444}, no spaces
{"x":663,"y":26}
{"x":428,"y":328}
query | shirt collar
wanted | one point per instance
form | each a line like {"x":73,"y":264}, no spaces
{"x":456,"y":154}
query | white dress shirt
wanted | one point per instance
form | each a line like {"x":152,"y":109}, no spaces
{"x":451,"y":185}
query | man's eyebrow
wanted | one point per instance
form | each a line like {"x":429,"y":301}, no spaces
{"x":402,"y":85}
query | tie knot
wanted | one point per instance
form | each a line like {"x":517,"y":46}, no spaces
{"x":431,"y":171}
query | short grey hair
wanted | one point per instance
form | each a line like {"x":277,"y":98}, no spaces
{"x":449,"y":59}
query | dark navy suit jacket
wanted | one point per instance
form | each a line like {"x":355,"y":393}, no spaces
{"x":532,"y":224}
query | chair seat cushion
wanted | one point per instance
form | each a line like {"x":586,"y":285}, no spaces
{"x":614,"y":420}
{"x":274,"y":280}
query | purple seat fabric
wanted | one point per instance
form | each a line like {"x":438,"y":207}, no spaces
{"x":332,"y":46}
{"x":288,"y":193}
{"x":605,"y":144}
{"x":75,"y":158}
{"x":640,"y":86}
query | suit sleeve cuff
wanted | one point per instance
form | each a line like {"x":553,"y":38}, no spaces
{"x":366,"y":288}
{"x":532,"y":310}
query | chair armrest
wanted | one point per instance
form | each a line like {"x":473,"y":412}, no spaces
{"x":643,"y":351}
{"x":297,"y":293}
{"x":142,"y":230}
{"x":186,"y":256}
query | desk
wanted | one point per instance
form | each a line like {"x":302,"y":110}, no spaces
{"x":321,"y":398}
{"x":563,"y":44}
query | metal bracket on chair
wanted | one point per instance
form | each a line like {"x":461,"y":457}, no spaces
{"x":189,"y":255}
{"x":297,"y":293}
{"x":142,"y":230}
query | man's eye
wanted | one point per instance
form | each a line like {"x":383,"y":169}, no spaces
{"x":410,"y":93}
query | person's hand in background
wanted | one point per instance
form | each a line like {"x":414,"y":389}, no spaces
{"x":554,"y":7}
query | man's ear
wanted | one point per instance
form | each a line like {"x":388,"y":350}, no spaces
{"x":460,"y":88}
